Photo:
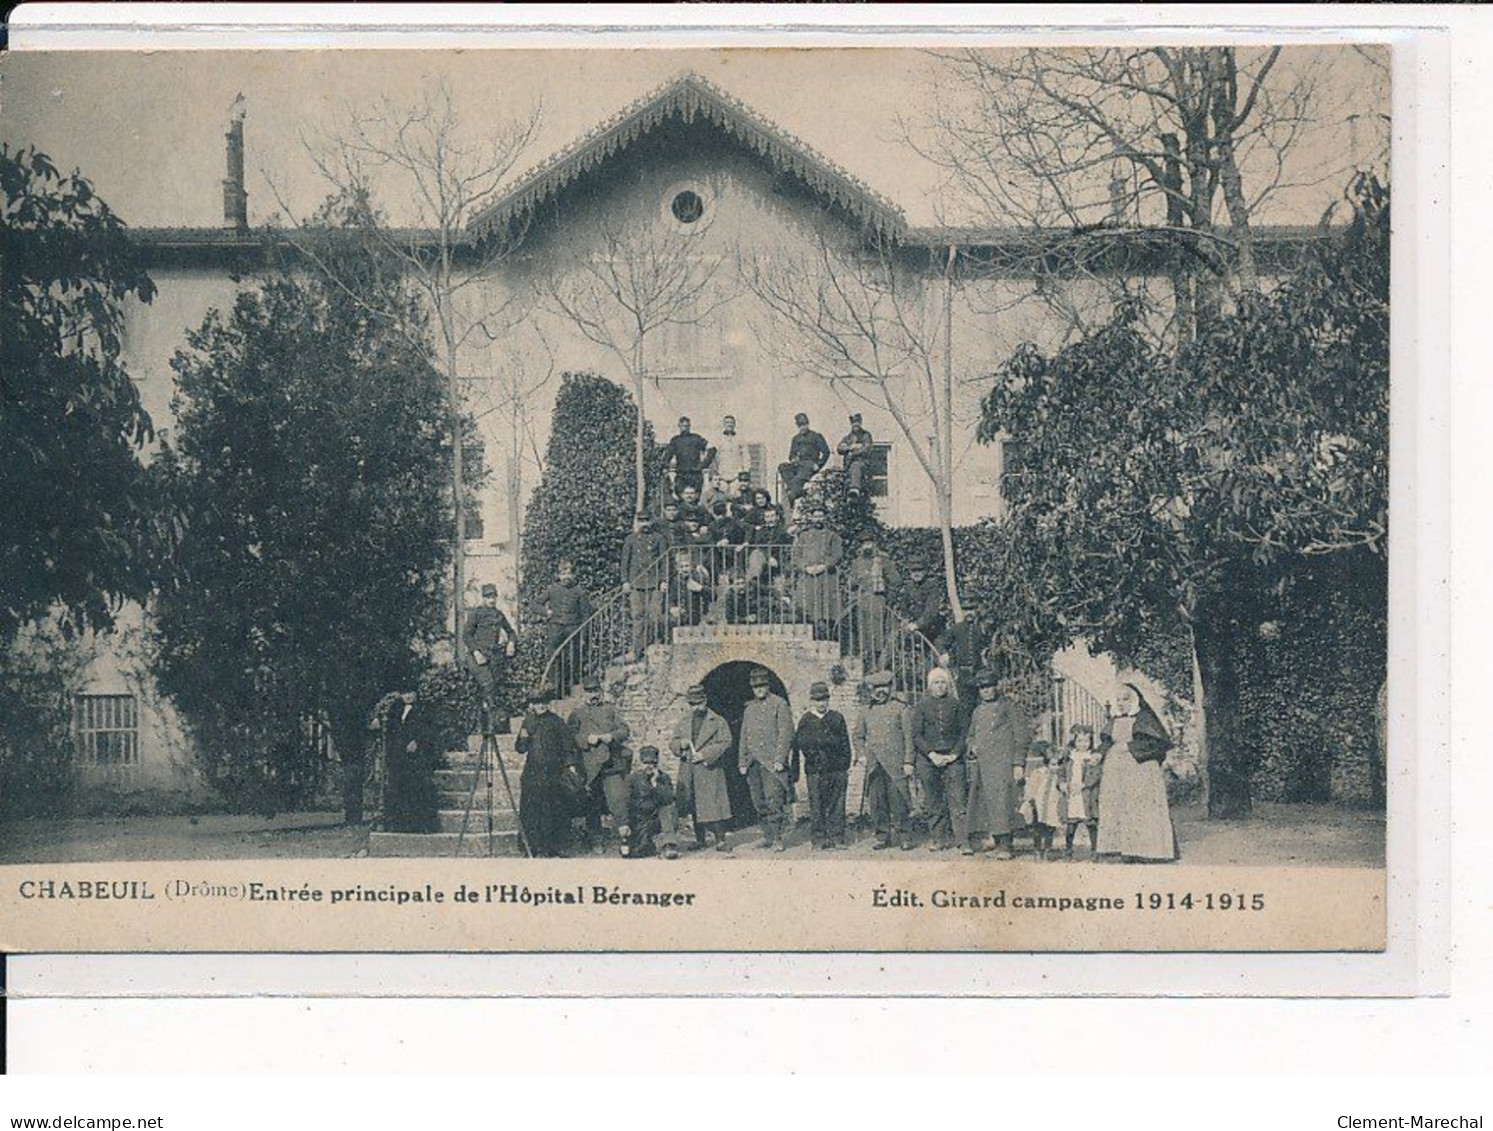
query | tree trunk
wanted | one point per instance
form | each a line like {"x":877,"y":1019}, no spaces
{"x":946,"y":538}
{"x":639,"y":457}
{"x":1230,"y":760}
{"x":1199,"y":713}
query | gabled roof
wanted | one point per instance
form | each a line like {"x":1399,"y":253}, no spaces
{"x":689,"y":97}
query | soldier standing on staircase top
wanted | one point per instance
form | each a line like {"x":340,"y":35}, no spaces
{"x":599,"y":733}
{"x":817,"y":553}
{"x":490,"y":642}
{"x":687,"y":455}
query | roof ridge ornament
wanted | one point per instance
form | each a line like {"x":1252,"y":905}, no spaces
{"x":689,"y":96}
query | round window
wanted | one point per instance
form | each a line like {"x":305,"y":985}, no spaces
{"x":687,"y":206}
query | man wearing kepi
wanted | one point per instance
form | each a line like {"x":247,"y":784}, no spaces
{"x":702,"y":739}
{"x":643,"y":573}
{"x":823,"y":740}
{"x":766,"y":745}
{"x":652,"y":816}
{"x":490,"y":641}
{"x":999,"y":735}
{"x":938,"y":725}
{"x":883,"y":739}
{"x":856,"y":449}
{"x":599,"y":732}
{"x":544,"y":804}
{"x":808,"y":451}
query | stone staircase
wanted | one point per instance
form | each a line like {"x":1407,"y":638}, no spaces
{"x":456,"y":781}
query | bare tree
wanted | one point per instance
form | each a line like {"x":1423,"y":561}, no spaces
{"x":879,"y":325}
{"x":1186,"y":144}
{"x":620,"y":282}
{"x":419,"y":158}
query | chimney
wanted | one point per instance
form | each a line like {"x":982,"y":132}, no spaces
{"x":235,"y":197}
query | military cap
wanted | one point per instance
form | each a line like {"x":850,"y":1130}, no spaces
{"x":801,"y":418}
{"x":744,"y":475}
{"x":591,"y":683}
{"x":648,"y":754}
{"x":855,"y":418}
{"x":879,"y":679}
{"x":819,"y":690}
{"x":540,"y":695}
{"x":695,"y":695}
{"x":759,"y":675}
{"x":988,"y":678}
{"x":489,"y":590}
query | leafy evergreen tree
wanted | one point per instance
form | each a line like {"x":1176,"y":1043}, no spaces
{"x":1153,"y":494}
{"x":310,"y":462}
{"x":79,"y":524}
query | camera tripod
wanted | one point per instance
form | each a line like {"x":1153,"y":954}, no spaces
{"x":489,"y":755}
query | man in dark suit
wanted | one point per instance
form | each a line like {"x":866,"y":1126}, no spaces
{"x":490,"y":643}
{"x":823,"y":740}
{"x":411,"y":801}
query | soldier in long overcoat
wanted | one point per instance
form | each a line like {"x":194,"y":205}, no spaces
{"x":600,"y":734}
{"x":999,"y":736}
{"x":817,"y":553}
{"x":765,"y":748}
{"x":882,"y":738}
{"x":702,"y":739}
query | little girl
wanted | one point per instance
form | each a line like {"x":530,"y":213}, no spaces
{"x":1081,"y":787}
{"x":1044,"y":805}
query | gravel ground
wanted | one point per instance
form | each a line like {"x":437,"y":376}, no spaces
{"x":1275,"y":835}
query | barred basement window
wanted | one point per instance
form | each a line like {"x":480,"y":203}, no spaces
{"x":107,"y":730}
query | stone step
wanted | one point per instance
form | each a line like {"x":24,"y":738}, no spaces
{"x":504,"y":819}
{"x":459,"y":781}
{"x":442,"y":844}
{"x":458,"y":798}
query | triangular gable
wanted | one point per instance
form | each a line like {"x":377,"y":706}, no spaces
{"x":689,"y":97}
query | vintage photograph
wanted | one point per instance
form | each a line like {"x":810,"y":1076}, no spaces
{"x":856,"y":480}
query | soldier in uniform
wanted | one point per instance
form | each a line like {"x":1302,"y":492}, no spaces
{"x":567,"y":607}
{"x":686,"y":455}
{"x":807,"y":453}
{"x":856,"y":449}
{"x":690,"y":507}
{"x":489,"y":641}
{"x":961,"y":651}
{"x":652,"y":812}
{"x":884,"y":741}
{"x":599,"y":733}
{"x":873,"y":577}
{"x":544,"y":805}
{"x":925,"y":597}
{"x":823,"y":741}
{"x":643,"y":573}
{"x":702,"y":739}
{"x":817,"y":553}
{"x":765,"y":748}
